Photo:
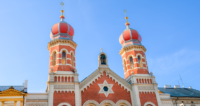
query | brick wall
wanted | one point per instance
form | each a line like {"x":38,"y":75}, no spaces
{"x":92,"y":92}
{"x":63,"y":97}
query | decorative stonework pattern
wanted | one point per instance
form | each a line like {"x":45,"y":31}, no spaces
{"x":123,"y":101}
{"x":97,"y":74}
{"x":64,"y":86}
{"x":106,"y":101}
{"x":91,"y":101}
{"x":145,"y":88}
{"x":36,"y":104}
{"x":132,"y":47}
{"x":63,"y":41}
{"x":105,"y":84}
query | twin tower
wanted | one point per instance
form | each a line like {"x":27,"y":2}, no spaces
{"x":63,"y":73}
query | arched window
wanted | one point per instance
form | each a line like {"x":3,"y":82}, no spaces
{"x":131,"y":62}
{"x":122,"y":104}
{"x":72,"y":59}
{"x":139,"y":61}
{"x":91,"y":104}
{"x":125,"y":69}
{"x":103,"y":59}
{"x":54,"y":59}
{"x":63,"y":57}
{"x":107,"y":104}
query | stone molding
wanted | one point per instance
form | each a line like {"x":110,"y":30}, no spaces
{"x":145,"y":87}
{"x":149,"y":103}
{"x":106,"y":101}
{"x":64,"y":103}
{"x":106,"y":93}
{"x":91,"y":101}
{"x":123,"y":101}
{"x":132,"y":47}
{"x":36,"y":103}
{"x":97,"y":74}
{"x":64,"y":87}
{"x":62,"y":41}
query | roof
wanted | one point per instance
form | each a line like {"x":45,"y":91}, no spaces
{"x":19,"y":88}
{"x":181,"y":92}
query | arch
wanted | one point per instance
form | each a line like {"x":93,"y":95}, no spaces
{"x":149,"y":104}
{"x":139,"y":58}
{"x":108,"y":102}
{"x":131,"y":62}
{"x":103,"y":59}
{"x":54,"y":58}
{"x":125,"y":68}
{"x":64,"y":103}
{"x":122,"y":102}
{"x":63,"y":49}
{"x":91,"y":102}
{"x":64,"y":56}
{"x":72,"y":59}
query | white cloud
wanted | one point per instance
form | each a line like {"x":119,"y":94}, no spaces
{"x":172,"y":62}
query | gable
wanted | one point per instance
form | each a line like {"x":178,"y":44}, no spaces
{"x":114,"y":91}
{"x":11,"y":92}
{"x":98,"y":73}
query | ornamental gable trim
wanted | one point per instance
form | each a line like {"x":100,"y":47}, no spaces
{"x":98,"y":73}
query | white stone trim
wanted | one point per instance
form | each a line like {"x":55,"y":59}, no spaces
{"x":149,"y":103}
{"x":64,"y":72}
{"x":123,"y":101}
{"x":91,"y":101}
{"x":63,"y":49}
{"x":63,"y":90}
{"x":106,"y":93}
{"x":97,"y":74}
{"x":107,"y":101}
{"x":64,"y":103}
{"x":63,"y":45}
{"x":12,"y":97}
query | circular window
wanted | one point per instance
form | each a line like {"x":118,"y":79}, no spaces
{"x":105,"y":88}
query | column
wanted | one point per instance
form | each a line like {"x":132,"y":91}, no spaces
{"x":21,"y":103}
{"x":2,"y":103}
{"x":15,"y":103}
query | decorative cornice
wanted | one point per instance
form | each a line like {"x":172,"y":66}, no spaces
{"x":97,"y":74}
{"x":12,"y":92}
{"x":62,"y":41}
{"x":132,"y":47}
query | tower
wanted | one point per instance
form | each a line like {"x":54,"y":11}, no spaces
{"x":63,"y":83}
{"x":144,"y":86}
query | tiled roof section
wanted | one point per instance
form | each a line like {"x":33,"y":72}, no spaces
{"x":180,"y":92}
{"x":19,"y":88}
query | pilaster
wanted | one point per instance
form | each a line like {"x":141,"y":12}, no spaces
{"x":0,"y":103}
{"x":50,"y":95}
{"x":15,"y":103}
{"x":136,"y":97}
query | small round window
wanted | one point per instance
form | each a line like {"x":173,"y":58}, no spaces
{"x":105,"y":88}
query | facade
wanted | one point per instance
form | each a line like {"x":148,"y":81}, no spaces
{"x":103,"y":87}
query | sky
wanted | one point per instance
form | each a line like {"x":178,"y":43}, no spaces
{"x":169,"y":30}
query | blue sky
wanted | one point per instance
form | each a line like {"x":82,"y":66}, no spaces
{"x":169,"y":30}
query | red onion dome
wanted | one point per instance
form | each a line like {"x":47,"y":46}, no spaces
{"x":62,"y":30}
{"x":129,"y":36}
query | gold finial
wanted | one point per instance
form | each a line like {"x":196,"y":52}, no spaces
{"x":101,"y":50}
{"x":62,"y":16}
{"x":127,"y":23}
